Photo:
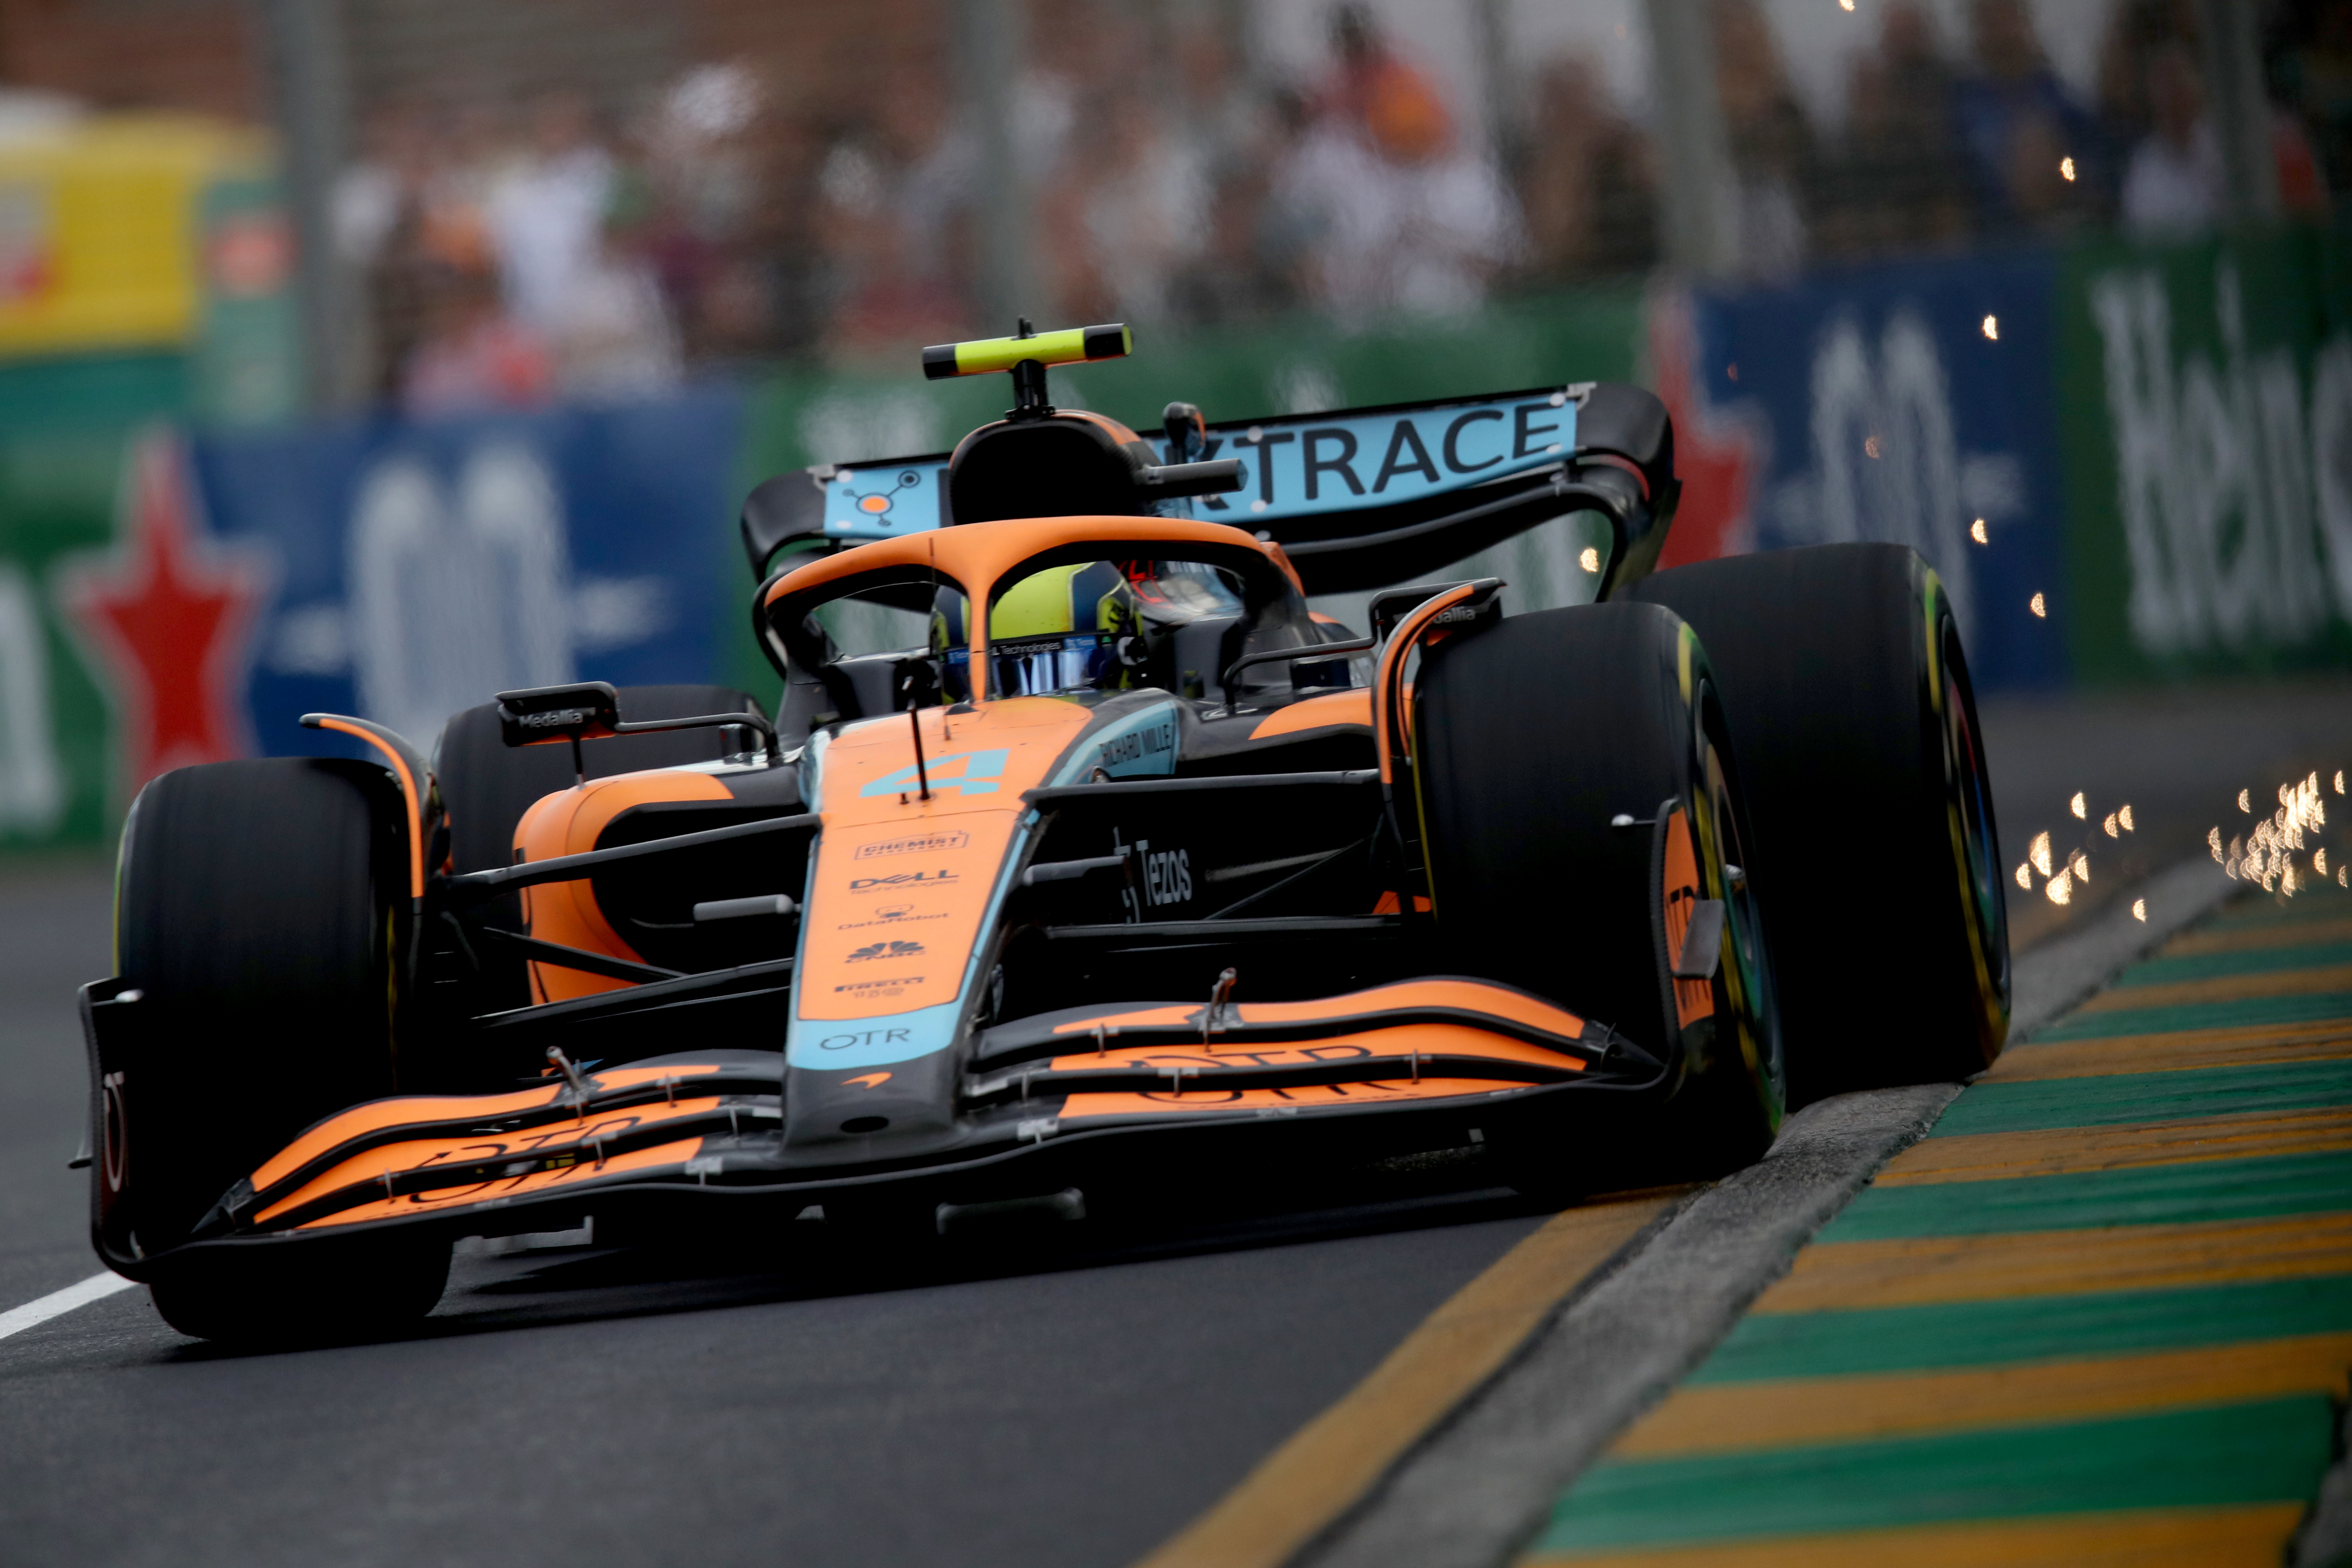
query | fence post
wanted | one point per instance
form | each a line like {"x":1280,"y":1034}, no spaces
{"x":1499,"y":81}
{"x":1699,"y":210}
{"x":991,"y":50}
{"x":311,"y":96}
{"x":2240,"y":108}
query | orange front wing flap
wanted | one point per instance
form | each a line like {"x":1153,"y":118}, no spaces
{"x":400,"y":1179}
{"x":409,"y":1115}
{"x":1191,"y":1101}
{"x":1475,"y":1018}
{"x":1406,"y":1054}
{"x":1432,"y":1037}
{"x":635,"y":1165}
{"x":411,"y":1145}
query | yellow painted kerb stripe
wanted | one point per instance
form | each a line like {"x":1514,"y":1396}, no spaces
{"x":2254,"y":938}
{"x":1919,"y":1271}
{"x":2224,"y":988}
{"x":1721,"y":1418}
{"x":2248,"y":1044}
{"x":2064,"y":1151}
{"x":1335,"y":1458}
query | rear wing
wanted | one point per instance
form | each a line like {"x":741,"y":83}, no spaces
{"x":1358,"y":498}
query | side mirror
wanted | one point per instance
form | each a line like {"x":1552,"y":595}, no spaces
{"x":591,"y":711}
{"x":588,"y":711}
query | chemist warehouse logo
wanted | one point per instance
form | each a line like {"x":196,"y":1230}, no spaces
{"x":916,"y":844}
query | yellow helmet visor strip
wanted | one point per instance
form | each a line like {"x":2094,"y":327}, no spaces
{"x":1072,"y":345}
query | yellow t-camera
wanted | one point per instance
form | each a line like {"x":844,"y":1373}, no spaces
{"x":1072,"y":345}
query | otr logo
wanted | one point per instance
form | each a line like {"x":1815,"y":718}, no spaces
{"x":973,"y":773}
{"x":863,"y":1037}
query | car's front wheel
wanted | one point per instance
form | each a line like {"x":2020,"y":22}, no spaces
{"x":1585,"y":833}
{"x":261,"y":916}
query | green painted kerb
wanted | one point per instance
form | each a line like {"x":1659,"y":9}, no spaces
{"x":1768,"y":1346}
{"x":2273,"y":1451}
{"x":2222,"y":965}
{"x":2181,"y":1194}
{"x":2120,"y":1099}
{"x":2313,"y":1007}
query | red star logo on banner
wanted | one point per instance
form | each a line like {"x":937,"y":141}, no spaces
{"x":1716,"y":456}
{"x":170,"y":616}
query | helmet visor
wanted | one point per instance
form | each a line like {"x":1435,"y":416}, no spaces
{"x":1039,"y":667}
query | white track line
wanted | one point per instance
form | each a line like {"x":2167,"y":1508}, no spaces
{"x":57,"y":1303}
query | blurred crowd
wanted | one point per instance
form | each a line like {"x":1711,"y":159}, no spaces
{"x":1943,"y":148}
{"x":510,"y":251}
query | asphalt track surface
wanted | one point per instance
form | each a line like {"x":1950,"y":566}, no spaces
{"x":1050,"y":1398}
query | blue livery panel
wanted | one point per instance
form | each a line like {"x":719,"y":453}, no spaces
{"x":1303,"y":465}
{"x":885,"y":500}
{"x":1308,"y":465}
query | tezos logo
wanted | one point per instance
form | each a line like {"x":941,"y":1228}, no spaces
{"x":1163,"y":875}
{"x":886,"y":950}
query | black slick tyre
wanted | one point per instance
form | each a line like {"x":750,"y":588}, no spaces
{"x":340,"y":1288}
{"x":262,"y":914}
{"x":1857,"y":733}
{"x":1579,"y":801}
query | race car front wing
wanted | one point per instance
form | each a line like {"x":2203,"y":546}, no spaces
{"x":1439,"y":1049}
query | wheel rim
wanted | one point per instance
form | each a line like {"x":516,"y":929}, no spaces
{"x":1746,"y":976}
{"x":1971,"y":799}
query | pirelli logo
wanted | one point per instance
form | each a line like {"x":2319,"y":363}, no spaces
{"x":914,"y":844}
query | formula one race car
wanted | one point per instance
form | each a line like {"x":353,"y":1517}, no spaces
{"x":1081,"y":857}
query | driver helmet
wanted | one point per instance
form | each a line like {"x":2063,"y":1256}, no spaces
{"x":1065,"y":628}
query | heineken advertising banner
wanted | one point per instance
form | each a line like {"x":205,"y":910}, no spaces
{"x":2206,"y":403}
{"x":230,"y":582}
{"x":65,"y":428}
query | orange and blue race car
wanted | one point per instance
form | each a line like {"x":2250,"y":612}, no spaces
{"x":1079,"y":858}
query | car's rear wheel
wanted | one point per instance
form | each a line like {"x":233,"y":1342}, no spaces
{"x":262,"y":914}
{"x":1580,"y":806}
{"x":1855,"y":730}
